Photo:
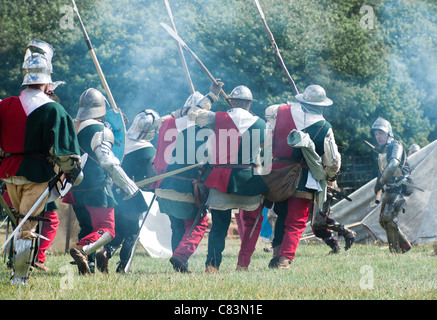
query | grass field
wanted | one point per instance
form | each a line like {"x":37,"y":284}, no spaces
{"x":366,"y":272}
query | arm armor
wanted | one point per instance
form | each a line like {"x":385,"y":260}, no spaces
{"x":70,"y":165}
{"x":208,"y":100}
{"x":202,"y":117}
{"x":101,"y":144}
{"x":66,"y":163}
{"x":331,"y":158}
{"x":395,"y":159}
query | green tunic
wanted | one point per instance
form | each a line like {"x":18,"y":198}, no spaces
{"x":95,"y":189}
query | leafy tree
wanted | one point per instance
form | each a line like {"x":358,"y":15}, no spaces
{"x":385,"y":71}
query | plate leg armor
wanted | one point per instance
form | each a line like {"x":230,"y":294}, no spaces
{"x":92,"y":247}
{"x":332,"y":242}
{"x":349,"y":237}
{"x":391,"y":206}
{"x":23,"y":254}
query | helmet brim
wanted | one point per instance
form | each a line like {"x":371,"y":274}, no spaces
{"x":240,"y":99}
{"x":325,"y":103}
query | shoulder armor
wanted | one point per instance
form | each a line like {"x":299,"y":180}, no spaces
{"x":102,"y":137}
{"x":396,"y":151}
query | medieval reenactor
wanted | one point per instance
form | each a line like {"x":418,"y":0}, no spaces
{"x":93,"y":201}
{"x":38,"y":138}
{"x":138,"y":164}
{"x":182,"y":196}
{"x":393,"y":170}
{"x":233,"y":179}
{"x":293,"y":212}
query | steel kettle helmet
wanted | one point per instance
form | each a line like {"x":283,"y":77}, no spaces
{"x":383,"y":125}
{"x":144,"y":126}
{"x":241,"y":93}
{"x":92,"y":105}
{"x":314,"y":95}
{"x":193,"y":100}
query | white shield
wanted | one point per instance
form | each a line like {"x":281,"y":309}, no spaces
{"x":155,"y":236}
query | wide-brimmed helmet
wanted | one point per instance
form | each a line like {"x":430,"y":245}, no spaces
{"x":314,"y":95}
{"x":241,"y":93}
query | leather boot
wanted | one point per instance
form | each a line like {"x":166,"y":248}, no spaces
{"x":41,"y":266}
{"x":273,"y":264}
{"x":81,"y":259}
{"x":333,"y":244}
{"x":102,"y":260}
{"x":240,"y":268}
{"x":284,"y":263}
{"x":211,"y":269}
{"x":179,"y":265}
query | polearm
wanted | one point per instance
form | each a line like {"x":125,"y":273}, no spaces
{"x":184,"y":63}
{"x":256,"y":221}
{"x":134,"y":248}
{"x":96,"y":62}
{"x":145,"y":182}
{"x":195,"y":57}
{"x":371,"y":146}
{"x":379,"y":193}
{"x":408,"y":184}
{"x":275,"y":47}
{"x":7,"y":210}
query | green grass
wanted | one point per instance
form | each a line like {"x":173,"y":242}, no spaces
{"x":366,"y":272}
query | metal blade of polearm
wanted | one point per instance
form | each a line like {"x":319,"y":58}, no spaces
{"x":413,"y":186}
{"x":195,"y":57}
{"x":275,"y":47}
{"x":184,"y":63}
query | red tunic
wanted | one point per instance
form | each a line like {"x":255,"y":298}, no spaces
{"x":284,"y":125}
{"x":161,"y":163}
{"x":224,"y":153}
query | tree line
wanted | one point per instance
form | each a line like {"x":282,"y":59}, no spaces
{"x":375,"y":58}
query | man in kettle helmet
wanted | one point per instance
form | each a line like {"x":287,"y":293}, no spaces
{"x":233,"y":181}
{"x":393,"y":167}
{"x":293,"y":213}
